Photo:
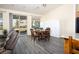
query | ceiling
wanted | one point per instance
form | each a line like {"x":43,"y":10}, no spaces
{"x":31,"y":8}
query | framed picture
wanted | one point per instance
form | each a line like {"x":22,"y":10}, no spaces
{"x":35,"y":22}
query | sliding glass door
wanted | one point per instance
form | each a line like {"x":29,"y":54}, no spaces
{"x":20,"y":23}
{"x":1,"y":21}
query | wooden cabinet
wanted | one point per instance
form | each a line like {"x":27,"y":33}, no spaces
{"x":67,"y":45}
{"x":71,"y":46}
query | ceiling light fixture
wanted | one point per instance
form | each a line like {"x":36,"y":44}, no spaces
{"x":41,"y":6}
{"x":44,"y":5}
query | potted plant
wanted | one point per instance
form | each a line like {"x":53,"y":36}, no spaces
{"x":5,"y":33}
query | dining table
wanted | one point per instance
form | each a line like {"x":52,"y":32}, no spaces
{"x":41,"y":33}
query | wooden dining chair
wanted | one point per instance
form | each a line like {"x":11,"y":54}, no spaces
{"x":47,"y":28}
{"x":45,"y":35}
{"x":34,"y":34}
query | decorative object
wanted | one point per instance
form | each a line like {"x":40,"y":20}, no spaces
{"x":5,"y":33}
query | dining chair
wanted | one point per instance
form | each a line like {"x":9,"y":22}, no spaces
{"x":47,"y":32}
{"x":46,"y":35}
{"x":34,"y":34}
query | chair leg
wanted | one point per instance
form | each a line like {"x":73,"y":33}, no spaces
{"x":34,"y":38}
{"x":31,"y":38}
{"x":48,"y":38}
{"x":39,"y":38}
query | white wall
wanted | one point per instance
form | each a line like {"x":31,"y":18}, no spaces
{"x":29,"y":25}
{"x":54,"y":25}
{"x":65,"y":15}
{"x":6,"y":20}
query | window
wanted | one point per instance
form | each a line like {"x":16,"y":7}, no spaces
{"x":20,"y":22}
{"x":1,"y":21}
{"x":23,"y":17}
{"x":15,"y":21}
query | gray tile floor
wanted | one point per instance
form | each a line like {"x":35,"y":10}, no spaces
{"x":26,"y":45}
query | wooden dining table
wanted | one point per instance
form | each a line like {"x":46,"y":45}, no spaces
{"x":40,"y":34}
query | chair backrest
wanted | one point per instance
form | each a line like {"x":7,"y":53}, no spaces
{"x":47,"y":31}
{"x":32,"y":32}
{"x":35,"y":33}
